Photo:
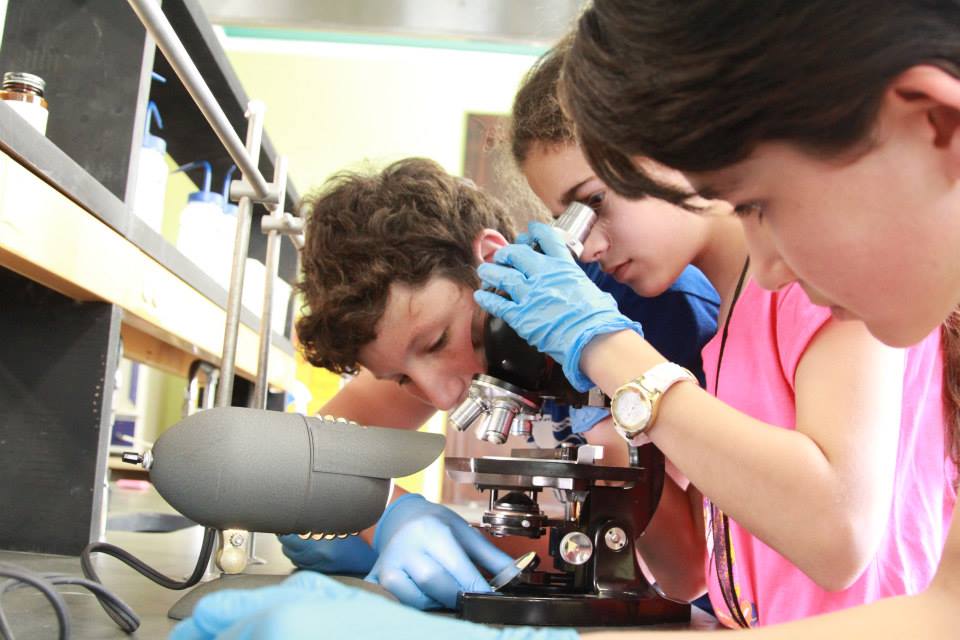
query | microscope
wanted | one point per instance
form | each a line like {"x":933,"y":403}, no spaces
{"x":595,"y":579}
{"x":507,"y":398}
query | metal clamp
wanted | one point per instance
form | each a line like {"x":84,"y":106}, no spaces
{"x":287,"y":224}
{"x":243,"y":189}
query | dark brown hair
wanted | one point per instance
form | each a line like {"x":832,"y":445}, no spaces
{"x":365,"y":231}
{"x":697,"y":85}
{"x":537,"y":117}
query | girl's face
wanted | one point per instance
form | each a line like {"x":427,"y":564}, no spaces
{"x":642,"y":243}
{"x":876,"y":238}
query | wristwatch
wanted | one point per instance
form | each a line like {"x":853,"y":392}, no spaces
{"x":634,"y":405}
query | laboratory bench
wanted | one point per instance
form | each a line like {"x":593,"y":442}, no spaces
{"x":171,"y":553}
{"x":174,"y":554}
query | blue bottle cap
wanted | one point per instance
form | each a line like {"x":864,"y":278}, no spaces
{"x":156,"y":143}
{"x":206,"y":196}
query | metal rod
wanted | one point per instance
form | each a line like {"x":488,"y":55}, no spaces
{"x":159,"y":27}
{"x":272,"y":264}
{"x":240,"y":247}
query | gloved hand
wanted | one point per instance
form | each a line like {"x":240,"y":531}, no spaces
{"x":347,"y":555}
{"x":553,"y":305}
{"x":428,"y":554}
{"x":585,"y":418}
{"x":309,"y":606}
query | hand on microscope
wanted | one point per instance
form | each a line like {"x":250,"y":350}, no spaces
{"x":428,"y":554}
{"x":308,"y":606}
{"x":344,"y":556}
{"x":553,"y":305}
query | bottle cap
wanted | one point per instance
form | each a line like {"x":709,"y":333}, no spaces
{"x":206,"y":196}
{"x":26,"y":79}
{"x":156,"y":143}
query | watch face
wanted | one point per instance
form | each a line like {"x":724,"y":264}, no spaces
{"x":632,"y":411}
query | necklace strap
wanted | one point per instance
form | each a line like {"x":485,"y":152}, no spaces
{"x":720,"y":524}
{"x":726,"y":322}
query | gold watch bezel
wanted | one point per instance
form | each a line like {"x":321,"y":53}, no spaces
{"x":650,"y":396}
{"x":646,"y":396}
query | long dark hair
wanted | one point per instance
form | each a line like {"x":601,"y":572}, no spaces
{"x":696,"y":85}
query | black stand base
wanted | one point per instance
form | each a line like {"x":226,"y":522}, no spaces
{"x":569,"y":610}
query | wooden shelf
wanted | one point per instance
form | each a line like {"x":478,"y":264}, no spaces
{"x":50,"y":239}
{"x":79,"y":273}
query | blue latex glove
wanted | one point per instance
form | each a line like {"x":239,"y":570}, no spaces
{"x":310,"y":606}
{"x":428,"y":554}
{"x":348,"y":555}
{"x":585,"y":418}
{"x":553,"y":305}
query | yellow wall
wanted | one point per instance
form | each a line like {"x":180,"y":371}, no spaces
{"x":343,"y":104}
{"x":347,"y":103}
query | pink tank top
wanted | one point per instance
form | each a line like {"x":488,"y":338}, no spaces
{"x":767,"y":336}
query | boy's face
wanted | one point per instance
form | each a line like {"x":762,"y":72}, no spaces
{"x":644,"y":244}
{"x":429,"y":341}
{"x":874,"y":238}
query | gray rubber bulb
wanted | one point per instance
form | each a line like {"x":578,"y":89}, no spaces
{"x":236,"y":468}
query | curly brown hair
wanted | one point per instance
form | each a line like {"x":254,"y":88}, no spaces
{"x":408,"y":223}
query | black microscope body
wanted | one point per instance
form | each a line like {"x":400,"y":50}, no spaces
{"x":595,"y":579}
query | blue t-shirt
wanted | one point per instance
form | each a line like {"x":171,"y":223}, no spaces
{"x":677,"y":323}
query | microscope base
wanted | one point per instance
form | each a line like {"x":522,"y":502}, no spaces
{"x":568,"y":610}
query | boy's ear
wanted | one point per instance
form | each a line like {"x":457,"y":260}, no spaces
{"x":486,"y":244}
{"x":927,"y":99}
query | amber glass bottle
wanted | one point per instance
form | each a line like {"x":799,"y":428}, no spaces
{"x":24,"y":93}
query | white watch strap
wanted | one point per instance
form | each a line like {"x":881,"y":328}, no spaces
{"x":657,"y":381}
{"x":664,"y":375}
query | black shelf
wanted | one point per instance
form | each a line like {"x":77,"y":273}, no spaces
{"x":48,"y":161}
{"x":58,"y":357}
{"x":188,"y":135}
{"x":96,"y":62}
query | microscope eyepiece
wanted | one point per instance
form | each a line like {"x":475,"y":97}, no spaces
{"x":505,"y":400}
{"x":575,"y":224}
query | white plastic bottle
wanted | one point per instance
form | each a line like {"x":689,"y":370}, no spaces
{"x":151,"y":185}
{"x":200,"y":223}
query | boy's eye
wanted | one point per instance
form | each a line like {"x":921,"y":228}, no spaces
{"x":440,"y":343}
{"x":402,"y":380}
